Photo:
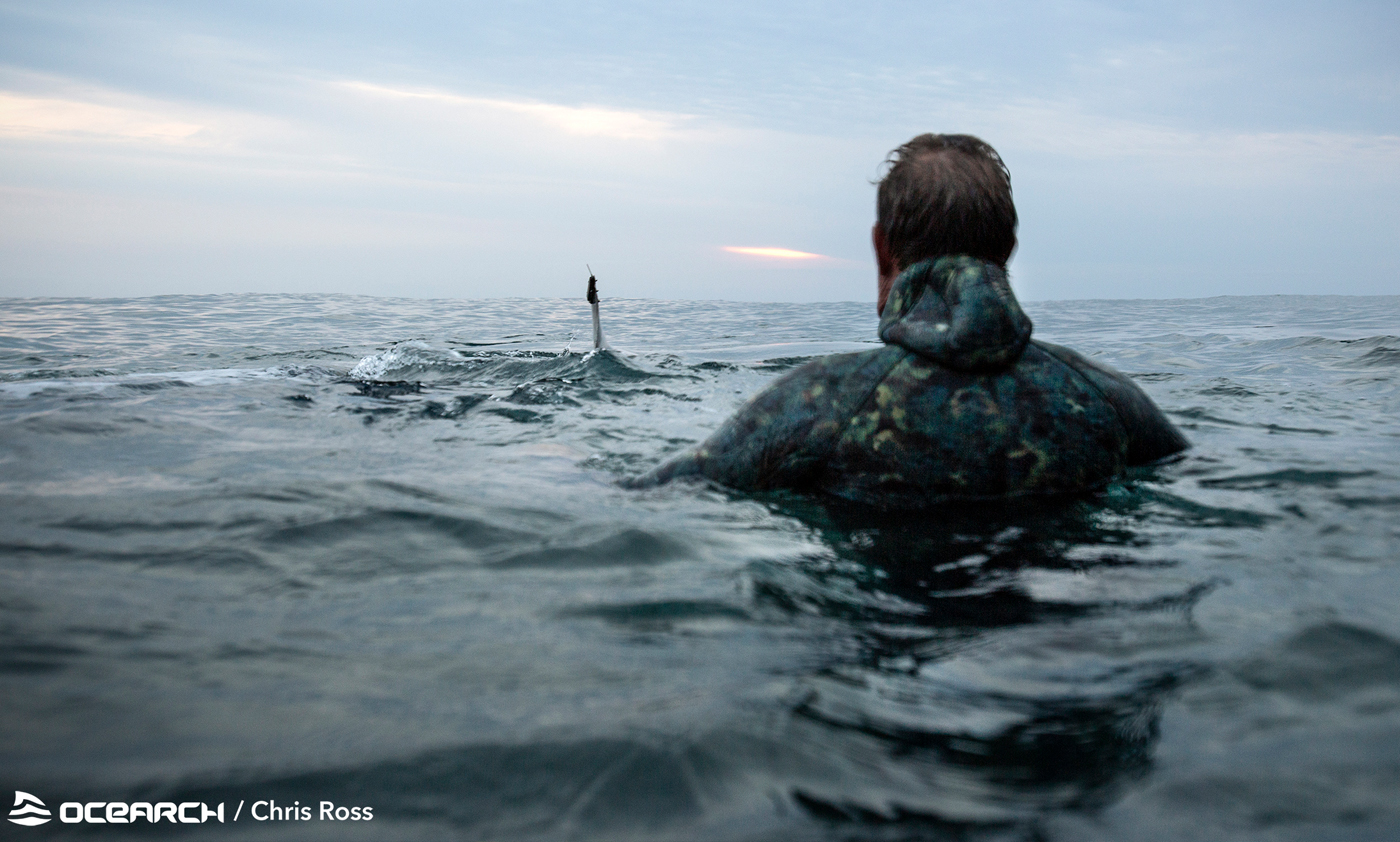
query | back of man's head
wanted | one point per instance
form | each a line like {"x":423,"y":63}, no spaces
{"x":946,"y":194}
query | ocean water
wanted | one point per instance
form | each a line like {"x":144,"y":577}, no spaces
{"x":371,"y":551}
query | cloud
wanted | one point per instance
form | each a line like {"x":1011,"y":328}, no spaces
{"x":57,"y":119}
{"x":1065,"y":129}
{"x":586,"y":121}
{"x":772,"y":251}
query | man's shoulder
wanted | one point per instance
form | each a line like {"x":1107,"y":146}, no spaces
{"x":836,"y":373}
{"x":813,"y":391}
{"x":1076,"y":360}
{"x":851,"y":361}
{"x":1151,"y":435}
{"x":1114,"y":385}
{"x":783,"y":434}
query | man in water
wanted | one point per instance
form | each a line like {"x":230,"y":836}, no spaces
{"x":960,"y":403}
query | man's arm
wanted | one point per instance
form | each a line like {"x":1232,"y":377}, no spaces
{"x":1150,"y":435}
{"x":782,"y":436}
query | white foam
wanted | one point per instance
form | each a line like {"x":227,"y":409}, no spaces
{"x":389,"y":363}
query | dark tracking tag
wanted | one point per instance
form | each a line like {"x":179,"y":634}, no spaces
{"x":592,"y":290}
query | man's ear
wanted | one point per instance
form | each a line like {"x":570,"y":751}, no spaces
{"x":884,"y":261}
{"x":1015,"y":243}
{"x":888,"y":268}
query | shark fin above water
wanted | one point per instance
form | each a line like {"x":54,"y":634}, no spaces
{"x":598,"y":341}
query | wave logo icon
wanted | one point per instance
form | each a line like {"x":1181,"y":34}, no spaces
{"x":28,"y":810}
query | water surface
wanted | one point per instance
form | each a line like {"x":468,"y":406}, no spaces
{"x":374,"y":551}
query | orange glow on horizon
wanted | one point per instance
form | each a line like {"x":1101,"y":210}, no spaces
{"x":768,"y":251}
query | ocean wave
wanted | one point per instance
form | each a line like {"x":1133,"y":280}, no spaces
{"x":1388,"y":356}
{"x":414,"y":360}
{"x":154,"y":381}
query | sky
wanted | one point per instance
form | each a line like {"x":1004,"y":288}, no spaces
{"x":686,"y":150}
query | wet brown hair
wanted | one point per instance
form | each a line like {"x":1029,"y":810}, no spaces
{"x":946,"y":194}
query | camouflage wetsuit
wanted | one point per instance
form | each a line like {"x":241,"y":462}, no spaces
{"x":958,"y":405}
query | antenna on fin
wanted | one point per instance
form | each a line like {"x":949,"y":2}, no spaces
{"x":593,"y":300}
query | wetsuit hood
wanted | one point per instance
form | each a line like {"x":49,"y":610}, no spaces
{"x":958,"y":311}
